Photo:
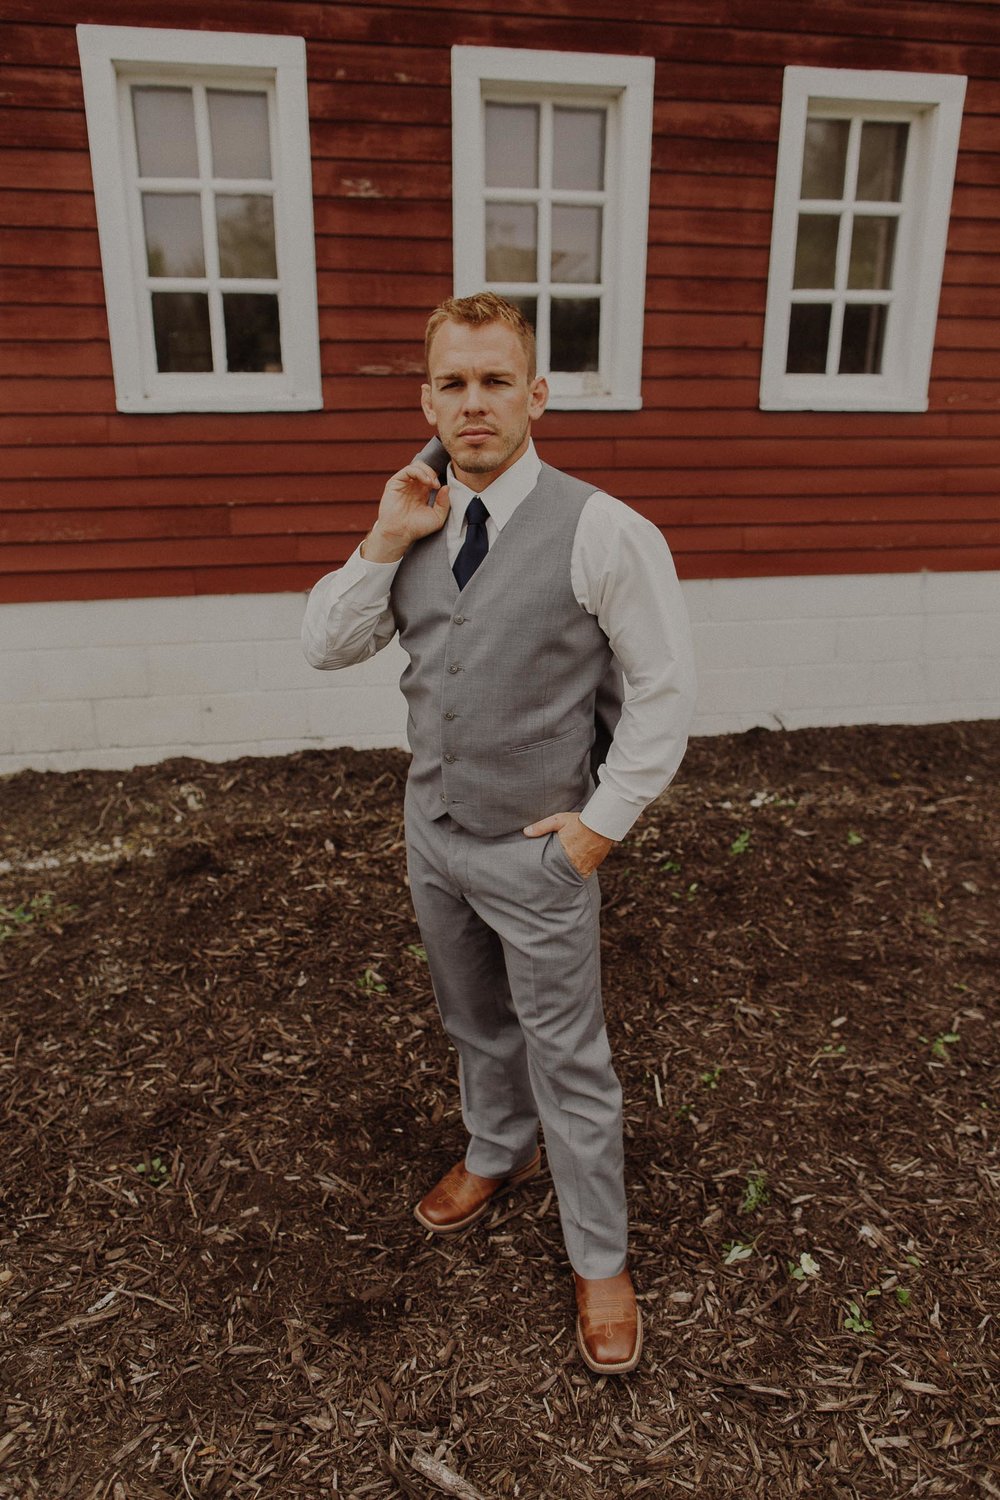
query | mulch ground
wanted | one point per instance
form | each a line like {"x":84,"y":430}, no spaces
{"x":224,"y":1085}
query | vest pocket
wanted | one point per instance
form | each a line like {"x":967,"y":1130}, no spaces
{"x":556,"y":739}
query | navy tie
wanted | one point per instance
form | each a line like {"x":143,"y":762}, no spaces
{"x":476,"y":544}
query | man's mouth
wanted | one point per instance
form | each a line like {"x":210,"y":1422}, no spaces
{"x":476,"y":432}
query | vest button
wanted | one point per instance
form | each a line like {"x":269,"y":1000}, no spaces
{"x":449,"y":758}
{"x":449,"y":714}
{"x":459,"y":620}
{"x":443,"y":797}
{"x":455,"y":667}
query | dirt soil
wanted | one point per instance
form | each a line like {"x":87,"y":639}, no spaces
{"x":224,"y":1085}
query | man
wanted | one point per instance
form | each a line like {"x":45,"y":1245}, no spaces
{"x":514,"y":589}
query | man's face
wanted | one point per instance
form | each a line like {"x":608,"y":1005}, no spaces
{"x":480,"y":399}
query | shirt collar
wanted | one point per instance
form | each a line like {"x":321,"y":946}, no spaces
{"x":504,"y":495}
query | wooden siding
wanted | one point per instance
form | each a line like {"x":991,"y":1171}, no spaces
{"x":97,"y":504}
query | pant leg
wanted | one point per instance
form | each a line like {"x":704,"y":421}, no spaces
{"x":547,"y":919}
{"x":469,"y":975}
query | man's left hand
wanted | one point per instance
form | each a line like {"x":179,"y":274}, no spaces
{"x":585,"y":848}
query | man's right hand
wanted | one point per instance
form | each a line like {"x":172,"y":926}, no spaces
{"x":405,"y":514}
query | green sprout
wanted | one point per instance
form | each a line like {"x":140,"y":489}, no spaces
{"x":854,"y":838}
{"x":856,"y":1322}
{"x":805,"y":1268}
{"x":741,"y":842}
{"x":372,"y":980}
{"x":710,"y":1078}
{"x":756,"y":1194}
{"x":156,"y":1171}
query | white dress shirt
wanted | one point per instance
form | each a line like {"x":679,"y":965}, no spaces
{"x":620,"y":570}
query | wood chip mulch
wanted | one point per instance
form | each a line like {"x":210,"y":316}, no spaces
{"x":223,"y":1085}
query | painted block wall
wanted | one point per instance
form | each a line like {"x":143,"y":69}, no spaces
{"x":122,"y":682}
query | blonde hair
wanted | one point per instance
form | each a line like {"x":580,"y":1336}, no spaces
{"x":477,"y":311}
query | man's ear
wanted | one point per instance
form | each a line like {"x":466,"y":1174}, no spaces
{"x":538,"y":398}
{"x":427,"y":404}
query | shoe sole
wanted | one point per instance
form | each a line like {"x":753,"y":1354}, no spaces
{"x":624,"y":1368}
{"x":523,"y":1174}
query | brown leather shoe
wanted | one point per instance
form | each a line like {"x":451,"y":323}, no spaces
{"x":460,"y":1198}
{"x":608,"y":1328}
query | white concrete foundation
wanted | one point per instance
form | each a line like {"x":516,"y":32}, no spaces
{"x":117,"y":683}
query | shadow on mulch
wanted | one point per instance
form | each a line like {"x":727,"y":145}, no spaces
{"x":224,"y":1085}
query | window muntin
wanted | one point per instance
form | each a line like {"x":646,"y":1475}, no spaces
{"x":865,"y":170}
{"x":202,"y":173}
{"x":850,"y":205}
{"x":551,"y":159}
{"x":545,"y":207}
{"x":207,"y":258}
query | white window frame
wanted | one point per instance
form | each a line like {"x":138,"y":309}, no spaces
{"x":112,"y":59}
{"x":932,"y":104}
{"x":625,"y":86}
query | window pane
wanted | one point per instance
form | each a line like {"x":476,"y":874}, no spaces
{"x":576,"y":333}
{"x":241,"y":146}
{"x":512,"y":145}
{"x":511,"y":242}
{"x":578,"y":148}
{"x":576,"y":243}
{"x":253,"y":333}
{"x":816,"y":250}
{"x":529,"y":308}
{"x":880,"y":166}
{"x":808,"y":336}
{"x":164,"y":132}
{"x":873,"y":245}
{"x":174,"y":244}
{"x":246,"y":235}
{"x":824,"y":158}
{"x":862,"y":339}
{"x":181,"y":331}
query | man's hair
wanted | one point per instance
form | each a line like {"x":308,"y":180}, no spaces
{"x":477,"y":311}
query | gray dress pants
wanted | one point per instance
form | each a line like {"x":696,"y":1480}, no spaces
{"x":512,"y":939}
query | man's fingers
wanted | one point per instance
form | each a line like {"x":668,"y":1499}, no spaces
{"x":547,"y":825}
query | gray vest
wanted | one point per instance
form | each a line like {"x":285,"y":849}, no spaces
{"x":503,"y":676}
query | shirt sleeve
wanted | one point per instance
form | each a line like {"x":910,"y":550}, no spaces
{"x":348,"y":615}
{"x":623,"y":573}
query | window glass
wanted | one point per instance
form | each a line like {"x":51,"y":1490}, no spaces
{"x":576,"y":243}
{"x":578,"y":148}
{"x":873,"y":245}
{"x":239,"y":129}
{"x":862,"y":339}
{"x":511,"y":241}
{"x":824,"y":158}
{"x":808,"y":338}
{"x":816,"y":250}
{"x":576,"y":333}
{"x":246,"y":235}
{"x":253,"y":332}
{"x":174,"y":243}
{"x":882,"y":158}
{"x":512,"y":145}
{"x":164,"y":132}
{"x":182,"y":331}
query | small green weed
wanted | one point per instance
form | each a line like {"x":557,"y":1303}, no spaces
{"x":710,"y":1078}
{"x":755,"y":1195}
{"x":939,"y":1046}
{"x":736,"y":1251}
{"x":854,"y":838}
{"x":372,"y":981}
{"x":856,"y":1322}
{"x":903,"y":1296}
{"x":418,"y":950}
{"x":156,"y":1171}
{"x":741,"y":843}
{"x":34,"y":912}
{"x":805,"y":1268}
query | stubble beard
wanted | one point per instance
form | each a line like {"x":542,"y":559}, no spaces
{"x":476,"y":464}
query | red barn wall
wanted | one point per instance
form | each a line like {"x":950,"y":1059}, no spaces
{"x":96,"y":504}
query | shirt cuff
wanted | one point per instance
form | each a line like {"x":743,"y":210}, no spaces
{"x":367,"y":579}
{"x":608,"y":814}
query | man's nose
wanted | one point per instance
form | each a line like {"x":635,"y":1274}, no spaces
{"x":475,"y":398}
